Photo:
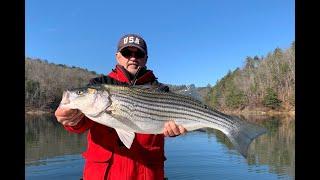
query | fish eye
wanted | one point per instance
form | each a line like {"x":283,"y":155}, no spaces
{"x":79,"y":92}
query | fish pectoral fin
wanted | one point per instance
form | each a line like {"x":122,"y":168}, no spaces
{"x":126,"y":137}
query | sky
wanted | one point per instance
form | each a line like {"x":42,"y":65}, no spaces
{"x":189,"y":42}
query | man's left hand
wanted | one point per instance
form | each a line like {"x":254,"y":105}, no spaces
{"x":172,"y":130}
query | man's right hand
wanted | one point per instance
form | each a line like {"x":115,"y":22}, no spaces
{"x":68,"y":117}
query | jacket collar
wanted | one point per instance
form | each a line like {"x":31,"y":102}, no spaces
{"x":141,"y":77}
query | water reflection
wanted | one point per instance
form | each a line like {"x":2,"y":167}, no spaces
{"x":46,"y":141}
{"x":276,"y":148}
{"x":45,"y":138}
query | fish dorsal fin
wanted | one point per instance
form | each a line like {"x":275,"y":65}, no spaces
{"x":126,"y":137}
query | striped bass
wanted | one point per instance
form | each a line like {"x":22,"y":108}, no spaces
{"x":142,"y":109}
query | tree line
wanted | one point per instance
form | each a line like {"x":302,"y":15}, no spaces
{"x":45,"y":82}
{"x":263,"y":82}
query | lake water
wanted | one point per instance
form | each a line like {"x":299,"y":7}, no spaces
{"x":52,"y":153}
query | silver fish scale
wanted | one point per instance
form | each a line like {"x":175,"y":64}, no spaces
{"x":157,"y":106}
{"x":128,"y":110}
{"x":178,"y":100}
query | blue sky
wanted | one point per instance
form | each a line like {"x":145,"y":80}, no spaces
{"x":189,"y":42}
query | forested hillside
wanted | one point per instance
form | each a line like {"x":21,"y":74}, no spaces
{"x":263,"y":82}
{"x":45,"y":82}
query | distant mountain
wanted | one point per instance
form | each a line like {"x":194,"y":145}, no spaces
{"x":199,"y":93}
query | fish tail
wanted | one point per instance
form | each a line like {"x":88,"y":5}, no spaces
{"x":242,"y":136}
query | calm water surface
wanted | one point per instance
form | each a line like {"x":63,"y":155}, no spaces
{"x":51,"y":152}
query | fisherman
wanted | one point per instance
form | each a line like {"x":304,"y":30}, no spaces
{"x":106,"y":156}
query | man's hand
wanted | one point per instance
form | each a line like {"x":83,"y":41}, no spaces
{"x":68,"y":117}
{"x":171,"y":129}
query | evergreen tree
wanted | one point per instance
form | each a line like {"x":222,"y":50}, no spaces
{"x":271,"y":99}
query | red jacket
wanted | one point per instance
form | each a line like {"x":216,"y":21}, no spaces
{"x":107,"y":158}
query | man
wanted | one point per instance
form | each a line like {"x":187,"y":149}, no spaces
{"x":106,"y":157}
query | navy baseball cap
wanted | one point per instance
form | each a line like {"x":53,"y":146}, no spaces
{"x":133,"y":40}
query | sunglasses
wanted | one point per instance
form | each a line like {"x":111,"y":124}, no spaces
{"x":128,"y":53}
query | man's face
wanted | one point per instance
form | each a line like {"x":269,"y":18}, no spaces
{"x":131,"y":58}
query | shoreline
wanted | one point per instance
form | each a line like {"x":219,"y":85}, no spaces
{"x":256,"y":112}
{"x":38,"y":112}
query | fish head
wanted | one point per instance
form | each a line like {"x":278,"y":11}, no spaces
{"x":89,"y":100}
